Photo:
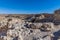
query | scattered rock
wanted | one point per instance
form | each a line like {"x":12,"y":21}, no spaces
{"x":45,"y":27}
{"x":23,"y":28}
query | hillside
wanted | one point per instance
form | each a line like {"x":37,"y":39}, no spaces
{"x":30,"y":26}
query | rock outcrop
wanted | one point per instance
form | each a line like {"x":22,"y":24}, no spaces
{"x":30,"y":27}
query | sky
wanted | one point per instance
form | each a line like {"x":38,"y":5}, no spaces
{"x":28,"y":6}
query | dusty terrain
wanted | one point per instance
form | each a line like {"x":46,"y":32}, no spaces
{"x":30,"y":26}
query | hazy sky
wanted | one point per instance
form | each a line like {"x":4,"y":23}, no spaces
{"x":28,"y":6}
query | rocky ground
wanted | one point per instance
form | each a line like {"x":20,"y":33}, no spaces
{"x":27,"y":27}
